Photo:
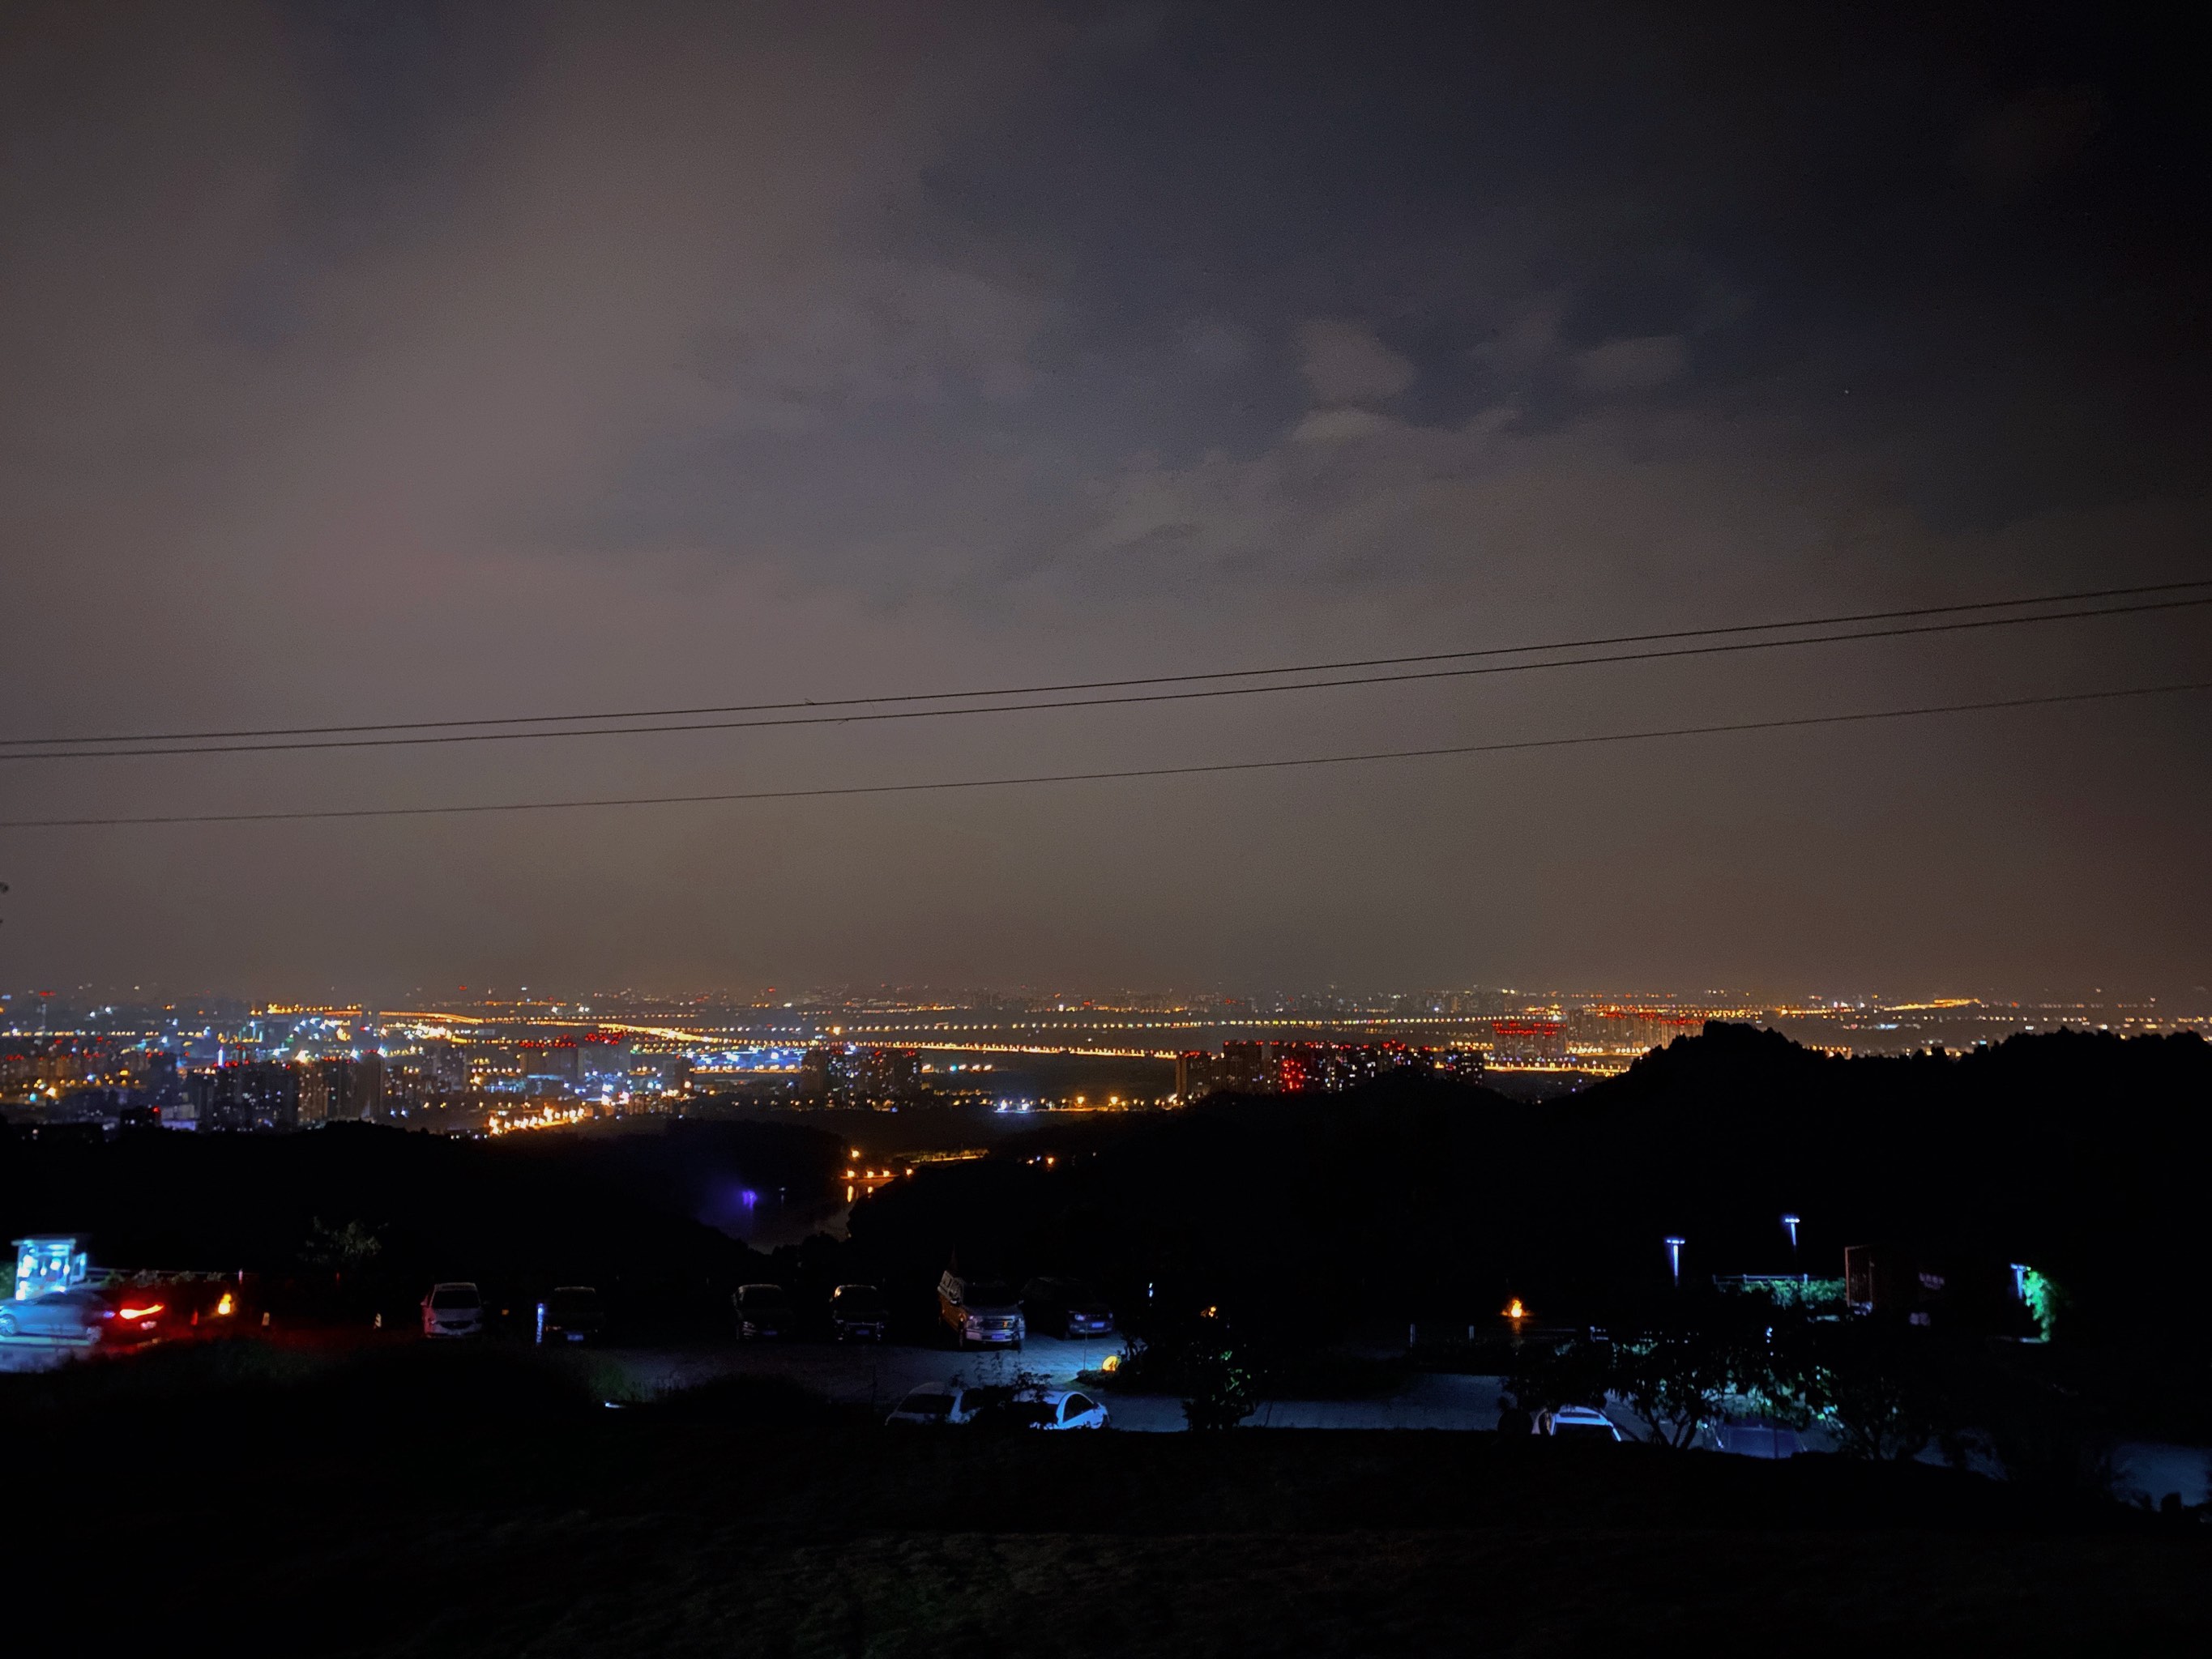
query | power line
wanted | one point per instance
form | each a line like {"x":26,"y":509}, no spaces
{"x":1792,"y":723}
{"x":2077,"y":596}
{"x":868,"y":716}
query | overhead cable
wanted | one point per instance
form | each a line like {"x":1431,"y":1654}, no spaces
{"x":2075,"y":597}
{"x":859,"y":716}
{"x":1509,"y":746}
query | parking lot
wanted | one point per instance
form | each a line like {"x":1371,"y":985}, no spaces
{"x":879,"y":1375}
{"x":866,"y":1374}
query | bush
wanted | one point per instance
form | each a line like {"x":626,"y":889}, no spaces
{"x":1223,"y":1390}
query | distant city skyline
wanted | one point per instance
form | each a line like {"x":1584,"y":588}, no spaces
{"x":1536,"y":1021}
{"x":494,"y":1067}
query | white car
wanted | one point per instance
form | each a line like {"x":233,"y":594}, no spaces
{"x":936,"y":1405}
{"x":1579,"y":1423}
{"x":454,"y":1309}
{"x":1060,"y":1408}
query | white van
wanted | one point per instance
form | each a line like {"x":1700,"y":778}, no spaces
{"x":453,"y":1309}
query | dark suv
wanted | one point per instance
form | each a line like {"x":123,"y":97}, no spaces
{"x":1066,"y":1307}
{"x":858,"y":1313}
{"x":979,"y":1312}
{"x":763,"y":1310}
{"x":571,"y":1314}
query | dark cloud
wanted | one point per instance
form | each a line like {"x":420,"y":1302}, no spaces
{"x":379,"y":362}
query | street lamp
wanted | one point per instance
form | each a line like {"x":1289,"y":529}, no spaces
{"x":1674,"y":1259}
{"x":1789,"y":1224}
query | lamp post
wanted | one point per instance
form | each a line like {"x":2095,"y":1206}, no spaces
{"x":1789,"y":1226}
{"x":1674,"y":1259}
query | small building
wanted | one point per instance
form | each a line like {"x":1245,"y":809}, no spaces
{"x":48,"y":1262}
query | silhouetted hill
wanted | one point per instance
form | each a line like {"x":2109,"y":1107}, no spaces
{"x":2081,"y":1155}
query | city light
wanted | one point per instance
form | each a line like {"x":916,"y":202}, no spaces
{"x":499,"y":1067}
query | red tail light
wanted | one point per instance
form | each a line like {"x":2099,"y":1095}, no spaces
{"x":146,"y":1312}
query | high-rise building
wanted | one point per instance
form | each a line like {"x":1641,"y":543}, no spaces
{"x":1535,"y":1036}
{"x":559,"y":1061}
{"x":1245,"y":1068}
{"x":246,"y":1096}
{"x":342,"y":1090}
{"x":1252,"y":1068}
{"x":446,"y":1066}
{"x":855,"y":1074}
{"x":603,"y":1054}
{"x":1461,"y":1065}
{"x":1198,"y":1074}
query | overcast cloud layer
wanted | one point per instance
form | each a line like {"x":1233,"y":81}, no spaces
{"x":391,"y":361}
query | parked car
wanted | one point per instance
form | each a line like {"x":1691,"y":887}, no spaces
{"x":858,"y":1313}
{"x":1578,"y":1422}
{"x":763,"y":1310}
{"x":1756,"y":1437}
{"x":81,"y":1314}
{"x":453,"y":1309}
{"x":571,"y":1314}
{"x":955,"y":1403}
{"x":980,"y":1310}
{"x":942,"y":1405}
{"x":1058,"y":1408}
{"x":1068,"y":1306}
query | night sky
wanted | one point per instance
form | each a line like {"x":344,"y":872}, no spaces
{"x":368,"y":362}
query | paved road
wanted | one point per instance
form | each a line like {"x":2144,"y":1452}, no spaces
{"x":38,"y":1353}
{"x":1428,"y":1402}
